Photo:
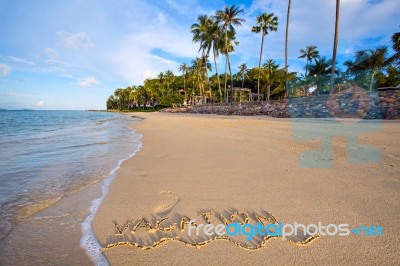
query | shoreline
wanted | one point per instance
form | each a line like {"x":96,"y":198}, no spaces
{"x":88,"y":240}
{"x":71,"y":209}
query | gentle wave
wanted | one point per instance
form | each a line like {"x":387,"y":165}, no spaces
{"x":47,"y":154}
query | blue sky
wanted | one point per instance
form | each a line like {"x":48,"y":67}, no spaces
{"x":73,"y":54}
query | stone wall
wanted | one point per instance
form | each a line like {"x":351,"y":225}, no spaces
{"x":354,"y":103}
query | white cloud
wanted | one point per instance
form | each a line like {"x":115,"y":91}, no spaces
{"x":4,"y":70}
{"x":19,"y":60}
{"x":134,"y":61}
{"x":40,"y":104}
{"x":88,"y":82}
{"x":74,"y":41}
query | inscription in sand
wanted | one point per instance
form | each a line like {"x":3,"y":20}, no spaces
{"x":147,"y":234}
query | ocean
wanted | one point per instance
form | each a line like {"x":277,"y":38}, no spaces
{"x":46,"y":154}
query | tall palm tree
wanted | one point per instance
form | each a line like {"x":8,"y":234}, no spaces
{"x":372,"y":59}
{"x":265,"y":24}
{"x":230,"y":46}
{"x":213,"y":39}
{"x":309,"y":53}
{"x":199,"y":29}
{"x":286,"y":45}
{"x":200,"y":32}
{"x":228,"y":18}
{"x":242,"y":71}
{"x":335,"y":43}
{"x":184,"y":68}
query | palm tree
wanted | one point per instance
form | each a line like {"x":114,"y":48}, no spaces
{"x":396,"y":41}
{"x":161,"y":77}
{"x":372,"y":59}
{"x":231,"y":42}
{"x":286,"y":45}
{"x":396,"y":48}
{"x":242,"y":71}
{"x":335,"y":43}
{"x":118,"y":96}
{"x":214,"y":40}
{"x":197,"y":66}
{"x":200,"y":32}
{"x":169,"y":78}
{"x":265,"y":23}
{"x":228,"y":18}
{"x":321,"y":67}
{"x":184,"y":68}
{"x":269,"y":71}
{"x":309,"y":53}
{"x":199,"y":29}
{"x":111,"y":103}
{"x":207,"y":67}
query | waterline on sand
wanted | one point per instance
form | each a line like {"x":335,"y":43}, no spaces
{"x":89,"y":241}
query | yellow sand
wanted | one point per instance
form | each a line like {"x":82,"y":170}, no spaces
{"x":194,"y":164}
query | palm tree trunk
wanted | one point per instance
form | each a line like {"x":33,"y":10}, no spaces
{"x":208,"y":80}
{"x":230,"y":72}
{"x":199,"y":84}
{"x":226,"y":61}
{"x":193,"y":90}
{"x":184,"y":86}
{"x":216,"y":72}
{"x":335,"y":42}
{"x":286,"y":48}
{"x":259,"y":66}
{"x":243,"y":79}
{"x":371,"y":80}
{"x":226,"y":68}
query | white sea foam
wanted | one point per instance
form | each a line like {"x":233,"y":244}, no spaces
{"x":88,"y":240}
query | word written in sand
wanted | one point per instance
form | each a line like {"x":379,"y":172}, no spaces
{"x":166,"y":229}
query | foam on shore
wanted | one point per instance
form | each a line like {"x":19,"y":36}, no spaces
{"x":89,"y":241}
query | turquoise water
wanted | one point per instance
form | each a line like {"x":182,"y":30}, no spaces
{"x":46,"y":154}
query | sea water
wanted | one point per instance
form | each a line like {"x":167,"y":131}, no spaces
{"x":47,"y":154}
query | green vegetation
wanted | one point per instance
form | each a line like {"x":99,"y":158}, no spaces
{"x":216,"y":35}
{"x":265,"y":24}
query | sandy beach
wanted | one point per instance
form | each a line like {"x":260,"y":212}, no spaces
{"x":201,"y":167}
{"x":200,"y":132}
